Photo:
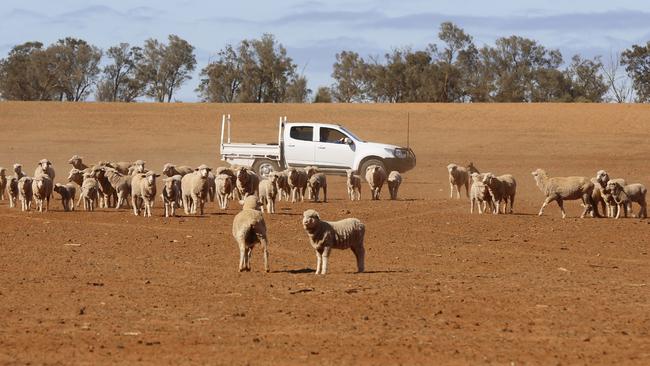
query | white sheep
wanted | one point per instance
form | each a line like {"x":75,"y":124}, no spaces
{"x":268,"y":193}
{"x":231,"y":173}
{"x":353,"y":183}
{"x":121,"y":185}
{"x":625,"y":195}
{"x":224,"y":188}
{"x":247,"y":182}
{"x":602,"y":179}
{"x":501,"y":188}
{"x":42,"y":190}
{"x":44,"y":167}
{"x":67,"y":193}
{"x":560,"y":189}
{"x":325,"y":236}
{"x":171,"y":170}
{"x":458,"y":177}
{"x":25,"y":193}
{"x":310,"y":170}
{"x":3,"y":183}
{"x":77,"y":162}
{"x":282,"y":185}
{"x":89,"y":192}
{"x":137,"y":167}
{"x":194,"y":188}
{"x":315,"y":183}
{"x":479,"y":194}
{"x":598,"y":196}
{"x":297,"y":180}
{"x":143,"y":192}
{"x":376,"y":177}
{"x":171,"y":194}
{"x":12,"y":190}
{"x":248,"y":229}
{"x":394,"y":181}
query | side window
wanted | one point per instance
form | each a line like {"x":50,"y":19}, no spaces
{"x":331,"y":135}
{"x":304,"y":133}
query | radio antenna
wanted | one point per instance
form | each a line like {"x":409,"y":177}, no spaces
{"x":408,"y":129}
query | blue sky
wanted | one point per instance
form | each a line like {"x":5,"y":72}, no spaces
{"x":314,"y":31}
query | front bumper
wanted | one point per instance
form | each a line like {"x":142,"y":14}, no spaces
{"x":401,"y":165}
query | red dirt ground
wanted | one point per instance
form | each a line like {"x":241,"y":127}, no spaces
{"x":441,"y":287}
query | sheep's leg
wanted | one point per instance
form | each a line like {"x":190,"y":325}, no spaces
{"x":451,"y":190}
{"x":242,"y":255}
{"x":512,"y":204}
{"x":544,"y":204}
{"x":134,"y":203}
{"x":265,"y":247}
{"x":325,"y":194}
{"x":249,"y":255}
{"x":186,"y":205}
{"x":471,"y":205}
{"x":359,"y":253}
{"x":319,"y":260}
{"x":560,"y":203}
{"x":326,"y":256}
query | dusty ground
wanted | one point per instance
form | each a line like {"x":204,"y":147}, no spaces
{"x":442,"y":287}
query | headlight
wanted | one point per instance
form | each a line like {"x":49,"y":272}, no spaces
{"x":400,"y":153}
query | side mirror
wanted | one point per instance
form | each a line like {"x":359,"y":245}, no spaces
{"x":347,"y":141}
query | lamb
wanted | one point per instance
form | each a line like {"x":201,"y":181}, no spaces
{"x":602,"y":179}
{"x":25,"y":193}
{"x":171,"y":194}
{"x":501,"y":188}
{"x":458,"y":177}
{"x":3,"y":183}
{"x":194,"y":187}
{"x":12,"y":190}
{"x":315,"y":183}
{"x":376,"y":177}
{"x":354,"y":185}
{"x":107,"y":194}
{"x":89,"y":192}
{"x":77,"y":162}
{"x":268,"y":193}
{"x":44,"y":167}
{"x":625,"y":195}
{"x":394,"y":181}
{"x":42,"y":190}
{"x":564,"y":188}
{"x":121,"y":185}
{"x":224,"y":188}
{"x":18,"y":171}
{"x":282,"y":185}
{"x":325,"y":236}
{"x":479,"y":194}
{"x":248,"y":229}
{"x":171,"y":170}
{"x":247,"y":182}
{"x":67,"y":193}
{"x":297,"y":180}
{"x":143,"y":192}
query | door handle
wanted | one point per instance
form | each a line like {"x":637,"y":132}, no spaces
{"x":321,"y":147}
{"x":291,"y":145}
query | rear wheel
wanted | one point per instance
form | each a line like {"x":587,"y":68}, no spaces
{"x":263,"y":167}
{"x":367,"y":163}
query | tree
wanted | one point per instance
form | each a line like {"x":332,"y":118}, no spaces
{"x":28,"y":73}
{"x":121,"y":81}
{"x":297,"y":90}
{"x":222,"y":78}
{"x":617,"y":81}
{"x":323,"y":95}
{"x":587,"y":84}
{"x":637,"y":64}
{"x":77,"y":68}
{"x":350,"y":78}
{"x":456,"y":42}
{"x":166,"y":67}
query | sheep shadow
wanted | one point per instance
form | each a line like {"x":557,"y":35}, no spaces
{"x":219,"y":214}
{"x":287,"y":214}
{"x":382,"y":271}
{"x":296,"y":271}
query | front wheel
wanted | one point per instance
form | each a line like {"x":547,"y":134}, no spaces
{"x":263,"y":167}
{"x":364,"y":166}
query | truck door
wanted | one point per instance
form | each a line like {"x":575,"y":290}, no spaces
{"x":332,"y":149}
{"x":299,"y":146}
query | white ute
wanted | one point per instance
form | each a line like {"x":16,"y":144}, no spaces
{"x":330,"y":147}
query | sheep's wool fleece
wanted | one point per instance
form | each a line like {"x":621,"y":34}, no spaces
{"x":341,"y":234}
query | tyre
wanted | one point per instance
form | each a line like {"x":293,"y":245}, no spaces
{"x":263,"y":167}
{"x":364,"y":166}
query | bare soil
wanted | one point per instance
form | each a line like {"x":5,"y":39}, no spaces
{"x":442,"y":286}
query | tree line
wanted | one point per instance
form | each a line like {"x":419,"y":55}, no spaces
{"x":513,"y":69}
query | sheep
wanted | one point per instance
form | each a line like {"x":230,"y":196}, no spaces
{"x":310,"y":170}
{"x":501,"y":188}
{"x":194,"y":187}
{"x":77,"y":176}
{"x":376,"y":177}
{"x":602,"y":179}
{"x":44,"y":167}
{"x":297,"y":180}
{"x":282,"y":185}
{"x":77,"y":162}
{"x":479,"y":194}
{"x":354,"y":185}
{"x":121,"y":185}
{"x":67,"y":193}
{"x":458,"y":177}
{"x":18,"y":171}
{"x":247,"y":182}
{"x":3,"y":183}
{"x":89,"y":192}
{"x":598,"y":196}
{"x":248,"y":229}
{"x":171,"y":194}
{"x":471,"y":169}
{"x":42,"y":190}
{"x":233,"y":178}
{"x":25,"y":193}
{"x":107,"y":194}
{"x":325,"y":235}
{"x":171,"y":170}
{"x":564,"y":188}
{"x":224,"y":188}
{"x":143,"y":192}
{"x":625,"y":195}
{"x":121,"y":166}
{"x":315,"y":183}
{"x":138,"y":167}
{"x":268,"y":193}
{"x":394,"y":181}
{"x":12,"y":190}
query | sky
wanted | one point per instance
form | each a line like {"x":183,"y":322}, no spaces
{"x":314,"y":31}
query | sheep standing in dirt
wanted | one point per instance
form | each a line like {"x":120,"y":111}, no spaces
{"x":376,"y":177}
{"x":89,"y":192}
{"x":624,"y":196}
{"x":107,"y":194}
{"x":394,"y":181}
{"x":143,"y":192}
{"x":560,"y":189}
{"x":315,"y":183}
{"x":233,"y":179}
{"x":282,"y":185}
{"x":121,"y":185}
{"x":326,"y":235}
{"x":268,"y":193}
{"x":194,"y":188}
{"x":18,"y":171}
{"x":67,"y":193}
{"x":171,"y":194}
{"x":248,"y":229}
{"x":353,"y":183}
{"x":602,"y":179}
{"x":479,"y":194}
{"x":44,"y":167}
{"x":3,"y":183}
{"x":247,"y":182}
{"x":224,"y":187}
{"x":77,"y":162}
{"x":12,"y":190}
{"x":458,"y":177}
{"x":297,"y":180}
{"x":502,"y":188}
{"x":25,"y":193}
{"x":42,"y":190}
{"x":171,"y":170}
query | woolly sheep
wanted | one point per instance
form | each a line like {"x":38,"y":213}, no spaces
{"x":44,"y":167}
{"x":479,"y":194}
{"x":171,"y":194}
{"x":233,"y":178}
{"x":18,"y":171}
{"x":248,"y":229}
{"x":625,"y":195}
{"x":376,"y":177}
{"x":67,"y":193}
{"x":394,"y":181}
{"x":77,"y":162}
{"x":458,"y":177}
{"x":25,"y":193}
{"x":310,"y":170}
{"x":194,"y":188}
{"x":297,"y":180}
{"x":171,"y":170}
{"x":282,"y":185}
{"x":268,"y":193}
{"x":42,"y":190}
{"x":564,"y":188}
{"x":602,"y":179}
{"x":224,"y":188}
{"x":12,"y":190}
{"x":121,"y":166}
{"x":138,"y":167}
{"x":598,"y":196}
{"x":121,"y":185}
{"x":89,"y":192}
{"x":501,"y":188}
{"x":3,"y":183}
{"x":107,"y":194}
{"x":143,"y":192}
{"x":315,"y":183}
{"x":247,"y":182}
{"x":326,"y":235}
{"x":354,"y":185}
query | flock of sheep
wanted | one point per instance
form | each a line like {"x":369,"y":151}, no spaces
{"x":110,"y":184}
{"x":488,"y":192}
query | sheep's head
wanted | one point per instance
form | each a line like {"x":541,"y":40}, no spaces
{"x":11,"y":181}
{"x":203,"y":170}
{"x":2,"y":172}
{"x":44,"y":164}
{"x":138,"y":166}
{"x":314,"y":182}
{"x":452,"y":167}
{"x":602,"y":176}
{"x":310,"y":219}
{"x":539,"y":173}
{"x":150,"y":177}
{"x":75,"y":159}
{"x":273,"y":177}
{"x":167,"y":169}
{"x":487,"y":178}
{"x":349,"y":172}
{"x":476,"y":177}
{"x":250,"y":203}
{"x":18,"y":168}
{"x":74,"y":173}
{"x":311,"y":170}
{"x":614,"y":187}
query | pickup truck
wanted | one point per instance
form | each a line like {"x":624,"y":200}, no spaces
{"x":330,"y":147}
